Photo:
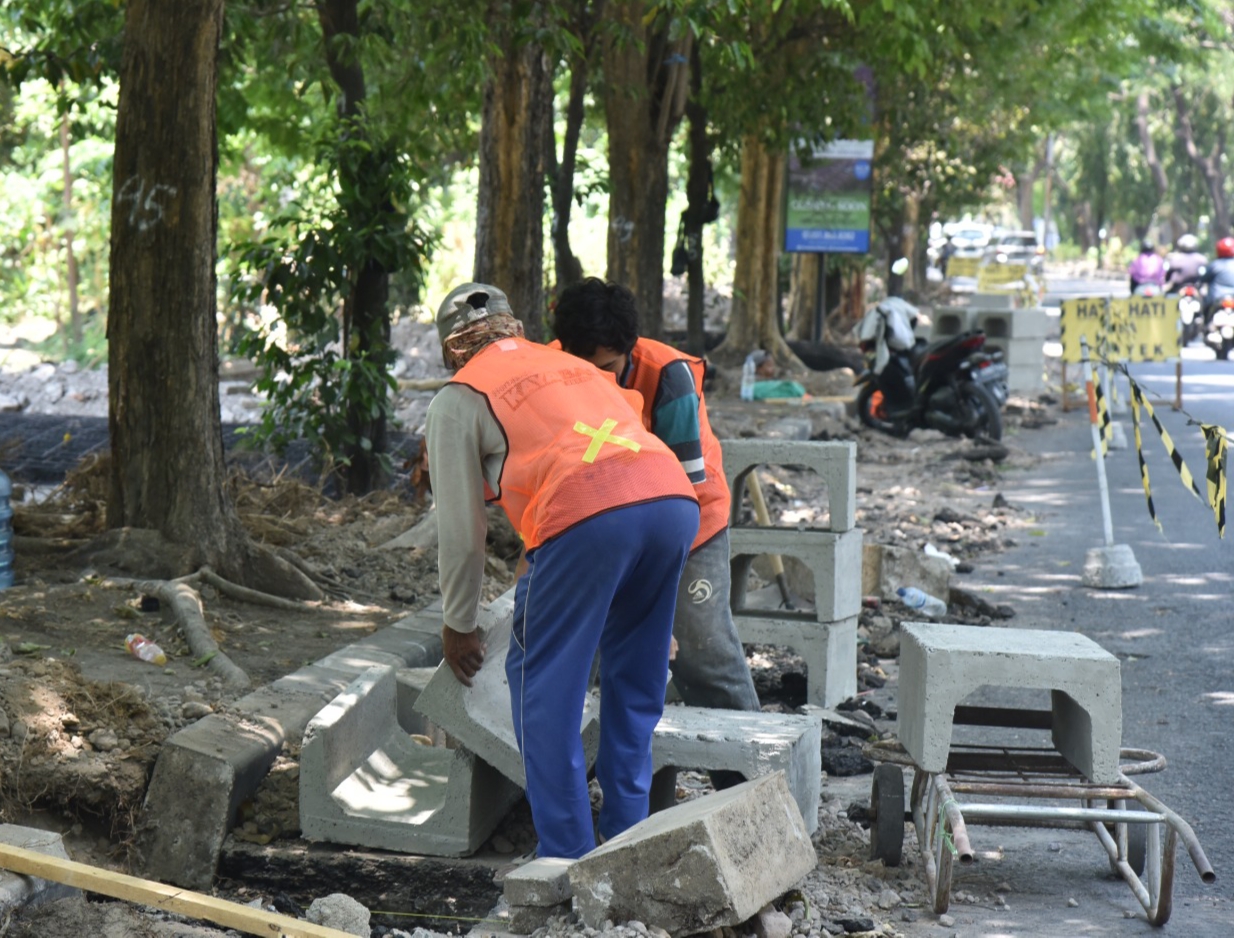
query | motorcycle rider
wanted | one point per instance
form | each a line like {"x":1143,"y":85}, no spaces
{"x":1219,"y":276}
{"x":1184,"y":264}
{"x":1148,"y":268}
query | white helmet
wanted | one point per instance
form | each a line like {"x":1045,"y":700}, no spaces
{"x":1187,"y":244}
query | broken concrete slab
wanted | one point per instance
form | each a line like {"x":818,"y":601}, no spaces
{"x":544,"y":881}
{"x":208,"y":769}
{"x":717,"y":861}
{"x":16,"y":890}
{"x":364,"y":781}
{"x":884,"y":569}
{"x":479,"y":716}
{"x":752,"y":743}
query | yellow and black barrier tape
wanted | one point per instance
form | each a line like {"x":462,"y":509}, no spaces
{"x":1215,"y":445}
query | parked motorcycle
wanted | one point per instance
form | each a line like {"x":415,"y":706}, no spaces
{"x":952,"y":385}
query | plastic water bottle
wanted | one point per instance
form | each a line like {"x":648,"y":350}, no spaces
{"x":929,"y":606}
{"x":748,"y":376}
{"x":143,"y":649}
{"x":6,"y":532}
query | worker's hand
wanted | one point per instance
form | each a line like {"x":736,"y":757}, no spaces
{"x":464,"y":653}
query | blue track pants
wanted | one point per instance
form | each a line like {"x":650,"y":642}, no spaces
{"x":607,"y":584}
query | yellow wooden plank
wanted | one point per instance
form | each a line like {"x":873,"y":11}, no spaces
{"x":160,"y":896}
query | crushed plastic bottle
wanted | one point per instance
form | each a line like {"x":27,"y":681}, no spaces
{"x":143,"y":649}
{"x":749,"y":375}
{"x":929,"y":606}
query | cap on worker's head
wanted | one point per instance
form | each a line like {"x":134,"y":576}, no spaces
{"x":468,"y":303}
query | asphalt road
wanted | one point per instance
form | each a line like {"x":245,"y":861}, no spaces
{"x":1173,"y":634}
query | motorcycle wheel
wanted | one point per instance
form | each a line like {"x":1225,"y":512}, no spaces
{"x":988,"y":420}
{"x":871,"y":410}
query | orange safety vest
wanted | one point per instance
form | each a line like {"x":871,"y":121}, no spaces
{"x":647,"y":360}
{"x":575,"y":448}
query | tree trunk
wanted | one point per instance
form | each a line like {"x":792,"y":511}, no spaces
{"x":70,"y":256}
{"x":167,"y":471}
{"x":366,"y":314}
{"x":753,"y":322}
{"x":803,"y":296}
{"x":518,"y":103}
{"x":566,"y":265}
{"x":1208,"y":164}
{"x":699,"y":191}
{"x":646,"y":83}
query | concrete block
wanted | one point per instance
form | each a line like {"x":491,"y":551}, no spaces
{"x":940,"y":665}
{"x":364,"y":781}
{"x":16,"y":890}
{"x":544,"y":881}
{"x":992,"y":301}
{"x":703,"y":864}
{"x":834,"y":462}
{"x":884,"y":569}
{"x":410,"y":685}
{"x":1111,"y":568}
{"x":207,"y":770}
{"x":754,"y":744}
{"x":833,"y":558}
{"x":829,"y":650}
{"x":526,"y":919}
{"x":1026,"y":378}
{"x":1028,"y":323}
{"x":479,"y":716}
{"x":947,"y":321}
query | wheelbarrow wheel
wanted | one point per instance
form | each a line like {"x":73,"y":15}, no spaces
{"x":887,"y":814}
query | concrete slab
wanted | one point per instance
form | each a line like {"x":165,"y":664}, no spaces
{"x":754,"y":744}
{"x":479,"y":716}
{"x":942,"y":664}
{"x":834,"y":560}
{"x":717,"y":861}
{"x":542,"y":882}
{"x":364,"y":781}
{"x":207,"y":770}
{"x":834,"y":462}
{"x":17,"y":891}
{"x":829,"y":650}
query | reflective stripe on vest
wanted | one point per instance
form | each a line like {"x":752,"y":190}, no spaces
{"x":647,"y":360}
{"x":574,"y":446}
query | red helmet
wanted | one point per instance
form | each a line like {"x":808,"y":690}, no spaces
{"x":1225,"y":247}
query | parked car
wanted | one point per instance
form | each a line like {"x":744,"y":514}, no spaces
{"x":1017,"y":247}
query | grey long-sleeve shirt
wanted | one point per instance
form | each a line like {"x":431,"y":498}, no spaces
{"x":466,"y":448}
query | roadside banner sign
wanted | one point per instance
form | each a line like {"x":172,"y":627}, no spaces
{"x":996,"y":275}
{"x":827,"y":198}
{"x":1130,"y":329}
{"x":962,"y":266}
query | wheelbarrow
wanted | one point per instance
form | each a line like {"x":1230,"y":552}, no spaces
{"x":1139,"y":833}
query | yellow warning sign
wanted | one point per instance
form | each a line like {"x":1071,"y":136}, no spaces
{"x":1131,"y":329}
{"x":962,"y":266}
{"x":997,"y":275}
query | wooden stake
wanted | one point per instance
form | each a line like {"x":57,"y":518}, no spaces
{"x":160,"y":896}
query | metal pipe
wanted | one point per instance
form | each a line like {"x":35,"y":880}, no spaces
{"x":959,"y":830}
{"x":1034,"y":813}
{"x":1183,"y":829}
{"x":1102,"y":485}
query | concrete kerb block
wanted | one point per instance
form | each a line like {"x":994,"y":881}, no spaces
{"x":364,"y":781}
{"x":1111,"y":568}
{"x":941,"y":664}
{"x":479,"y":716}
{"x":829,"y":650}
{"x":834,"y":462}
{"x":834,"y":559}
{"x":542,"y":882}
{"x":754,"y":744}
{"x":16,"y":890}
{"x":716,"y":861}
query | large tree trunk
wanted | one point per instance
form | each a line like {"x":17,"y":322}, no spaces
{"x":753,"y":322}
{"x":518,"y":110}
{"x":699,"y":191}
{"x":167,"y":470}
{"x":646,"y":83}
{"x":803,"y":296}
{"x":366,"y":314}
{"x":1209,"y":164}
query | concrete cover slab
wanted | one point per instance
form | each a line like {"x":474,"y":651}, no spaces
{"x":704,"y":864}
{"x":17,"y":890}
{"x":829,"y":650}
{"x":479,"y":716}
{"x":754,"y":744}
{"x":941,"y":664}
{"x":834,"y":560}
{"x":364,"y":781}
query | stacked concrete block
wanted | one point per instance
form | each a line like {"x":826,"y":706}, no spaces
{"x":948,"y":321}
{"x":940,"y":665}
{"x":827,"y":636}
{"x":1020,"y":335}
{"x":717,"y":860}
{"x":536,"y":892}
{"x":364,"y":781}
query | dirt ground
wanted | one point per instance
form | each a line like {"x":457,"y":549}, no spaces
{"x":82,"y":721}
